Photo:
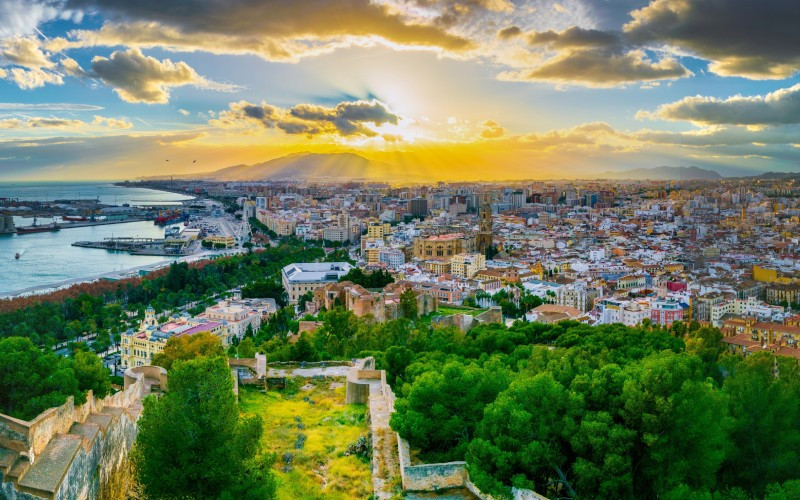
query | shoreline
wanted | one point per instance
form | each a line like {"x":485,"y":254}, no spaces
{"x":114,"y":275}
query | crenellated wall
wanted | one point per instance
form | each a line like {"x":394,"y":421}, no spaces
{"x":69,"y":451}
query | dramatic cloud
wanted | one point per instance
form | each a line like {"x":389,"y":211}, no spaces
{"x":593,"y":58}
{"x":776,"y":108}
{"x":741,"y":37}
{"x":346,"y":119}
{"x":24,"y":63}
{"x":136,"y":77}
{"x":492,"y":130}
{"x":23,"y":51}
{"x":282,"y":30}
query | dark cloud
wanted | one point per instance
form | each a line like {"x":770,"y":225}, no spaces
{"x":274,"y":29}
{"x":575,"y":37}
{"x":594,"y":58}
{"x":776,"y":108}
{"x":345,"y":119}
{"x":755,"y":39}
{"x":509,"y":33}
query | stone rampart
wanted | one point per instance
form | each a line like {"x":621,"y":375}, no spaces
{"x":70,"y":450}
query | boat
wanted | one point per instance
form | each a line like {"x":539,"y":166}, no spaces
{"x":74,"y":218}
{"x":168,"y":218}
{"x":35,"y":228}
{"x":17,"y":256}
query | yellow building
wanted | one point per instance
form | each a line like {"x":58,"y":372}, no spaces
{"x":378,"y":230}
{"x":437,"y":266}
{"x":138,"y":348}
{"x":443,"y":246}
{"x":228,"y":241}
{"x":467,"y":265}
{"x":765,"y":274}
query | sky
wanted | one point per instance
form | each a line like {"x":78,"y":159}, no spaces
{"x":474,"y":89}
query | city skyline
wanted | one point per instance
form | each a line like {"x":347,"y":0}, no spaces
{"x":435,"y":89}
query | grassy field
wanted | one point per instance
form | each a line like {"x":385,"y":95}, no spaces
{"x":318,"y":469}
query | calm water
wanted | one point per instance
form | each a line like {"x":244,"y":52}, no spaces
{"x":48,"y":258}
{"x":109,"y":194}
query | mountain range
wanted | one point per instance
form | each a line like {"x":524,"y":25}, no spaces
{"x":305,"y":165}
{"x":663,"y":173}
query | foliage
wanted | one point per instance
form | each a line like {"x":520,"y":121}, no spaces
{"x":441,"y":408}
{"x":246,"y":348}
{"x":408,"y":304}
{"x":91,"y":373}
{"x":31,"y":380}
{"x":375,"y":279}
{"x":187,"y":347}
{"x":192,"y":443}
{"x":321,"y":468}
{"x":270,"y":289}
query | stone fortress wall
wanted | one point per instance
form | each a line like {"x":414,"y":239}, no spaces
{"x":69,"y":451}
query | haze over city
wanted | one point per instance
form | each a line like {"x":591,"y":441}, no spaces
{"x":419,"y":89}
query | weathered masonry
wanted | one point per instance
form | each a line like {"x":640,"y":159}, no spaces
{"x":69,"y":451}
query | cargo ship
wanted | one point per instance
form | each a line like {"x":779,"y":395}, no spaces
{"x":168,"y":218}
{"x":35,"y":228}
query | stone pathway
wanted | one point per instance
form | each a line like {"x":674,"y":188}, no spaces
{"x":385,"y":462}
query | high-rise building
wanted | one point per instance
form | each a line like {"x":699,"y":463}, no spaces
{"x":418,"y":207}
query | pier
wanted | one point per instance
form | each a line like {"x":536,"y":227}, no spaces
{"x":137,"y":246}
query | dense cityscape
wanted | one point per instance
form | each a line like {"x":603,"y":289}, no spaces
{"x":399,"y":249}
{"x":477,"y":295}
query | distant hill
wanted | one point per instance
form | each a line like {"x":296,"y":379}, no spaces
{"x":663,"y":174}
{"x":778,"y":175}
{"x":307,"y":165}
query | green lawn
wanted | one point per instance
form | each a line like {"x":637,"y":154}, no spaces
{"x":449,"y":311}
{"x":319,"y":469}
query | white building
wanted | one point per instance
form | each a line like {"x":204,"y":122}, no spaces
{"x":301,"y":278}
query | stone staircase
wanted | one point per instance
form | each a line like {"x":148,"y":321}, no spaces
{"x":45,"y":476}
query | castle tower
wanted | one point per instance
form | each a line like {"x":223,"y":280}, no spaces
{"x":484,"y":238}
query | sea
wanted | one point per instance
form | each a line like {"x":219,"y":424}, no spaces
{"x":48,"y":260}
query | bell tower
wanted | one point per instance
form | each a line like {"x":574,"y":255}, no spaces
{"x":484,"y":238}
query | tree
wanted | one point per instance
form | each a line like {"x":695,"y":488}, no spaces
{"x":375,"y":279}
{"x":246,"y":348}
{"x":766,"y":429}
{"x":408,"y":304}
{"x":186,"y":347}
{"x":338,"y":329}
{"x":442,"y":407}
{"x":397,"y":358}
{"x":302,"y":350}
{"x":31,"y":380}
{"x":91,"y":373}
{"x":305,"y":299}
{"x":192,"y":443}
{"x":520,"y":438}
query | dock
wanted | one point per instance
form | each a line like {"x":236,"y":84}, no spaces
{"x":136,"y":246}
